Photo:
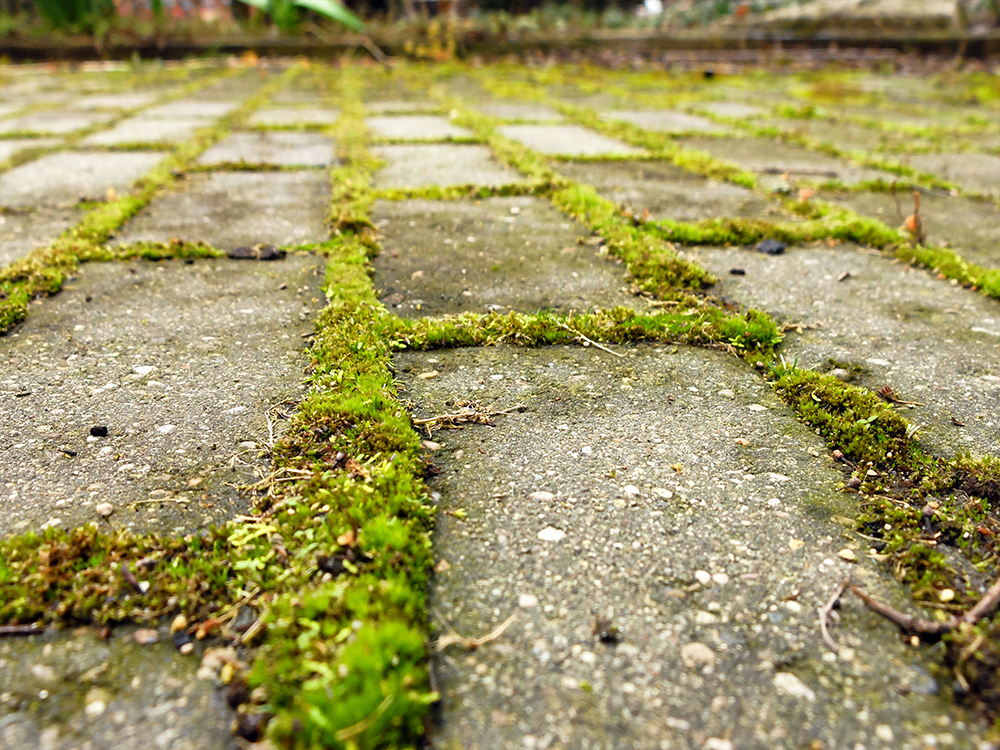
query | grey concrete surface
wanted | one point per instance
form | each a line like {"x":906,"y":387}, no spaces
{"x":295,"y":116}
{"x":977,"y":172}
{"x":206,"y":109}
{"x":54,"y":122}
{"x":233,"y":209}
{"x":415,"y":127}
{"x":12,"y":146}
{"x":397,"y":107}
{"x":182,"y":363}
{"x":143,"y":129}
{"x":673,"y":497}
{"x":567,"y":140}
{"x":666,"y":121}
{"x":410,"y":166}
{"x":521,"y":111}
{"x":129,"y":100}
{"x":278,"y":148}
{"x":22,"y":232}
{"x":498,"y":254}
{"x":71,"y":176}
{"x":731,"y":109}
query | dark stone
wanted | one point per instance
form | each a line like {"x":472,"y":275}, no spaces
{"x":99,"y":430}
{"x":737,"y":272}
{"x":771,"y":247}
{"x":709,"y":75}
{"x":257,"y":252}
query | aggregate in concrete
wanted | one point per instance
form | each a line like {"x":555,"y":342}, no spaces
{"x":234,"y":209}
{"x":409,"y":166}
{"x":415,"y":127}
{"x":15,"y":145}
{"x":669,"y":192}
{"x":499,"y":254}
{"x":567,"y":140}
{"x":143,"y":129}
{"x":670,"y":496}
{"x":182,"y":364}
{"x":931,"y":341}
{"x":290,"y":116}
{"x":279,"y":148}
{"x":73,"y":690}
{"x":970,"y":227}
{"x":665,"y":121}
{"x":977,"y":172}
{"x":187,"y":108}
{"x":115,"y":101}
{"x":72,"y":176}
{"x":773,"y":159}
{"x":521,"y":111}
{"x":54,"y":122}
{"x":731,"y":109}
{"x":22,"y":232}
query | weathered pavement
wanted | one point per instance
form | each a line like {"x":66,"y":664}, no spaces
{"x":660,"y":526}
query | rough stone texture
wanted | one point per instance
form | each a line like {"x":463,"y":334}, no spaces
{"x":977,"y":172}
{"x":186,"y":108}
{"x":772,"y":160}
{"x":499,"y":254}
{"x":568,"y":140}
{"x":20,"y":233}
{"x":731,"y":109}
{"x":9,"y":148}
{"x":970,"y":227}
{"x":145,"y":129}
{"x":233,"y":209}
{"x":181,"y":363}
{"x":709,"y":557}
{"x":521,"y":111}
{"x":288,"y":116}
{"x":440,"y":164}
{"x":666,"y":121}
{"x":283,"y":149}
{"x":150,"y":694}
{"x":669,"y":192}
{"x":115,"y":101}
{"x":71,"y":176}
{"x":930,"y":341}
{"x":415,"y":127}
{"x":56,"y":122}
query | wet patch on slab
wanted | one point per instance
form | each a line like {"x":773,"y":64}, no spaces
{"x":20,"y":233}
{"x":414,"y":127}
{"x":664,"y":531}
{"x":499,"y":254}
{"x":145,"y":129}
{"x":69,"y":690}
{"x":282,"y":149}
{"x":54,"y":122}
{"x":233,"y":209}
{"x":978,"y":172}
{"x":669,"y":192}
{"x":440,"y":164}
{"x":665,"y":121}
{"x":290,"y":116}
{"x":932,"y":342}
{"x":73,"y":176}
{"x":181,"y":365}
{"x":567,"y":140}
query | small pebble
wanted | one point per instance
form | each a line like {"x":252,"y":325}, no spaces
{"x":99,"y":430}
{"x":104,"y":509}
{"x":145,"y":636}
{"x":846,"y":554}
{"x":771,"y":247}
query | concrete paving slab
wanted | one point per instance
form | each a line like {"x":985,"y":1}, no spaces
{"x":521,"y":111}
{"x":970,"y":227}
{"x":289,"y":116}
{"x":772,"y":159}
{"x":181,"y":364}
{"x":397,"y":106}
{"x":567,"y":140}
{"x":930,"y":341}
{"x":665,"y":121}
{"x":12,"y":146}
{"x":64,"y":121}
{"x":281,"y":148}
{"x":440,"y":164}
{"x":144,"y":129}
{"x":115,"y":101}
{"x":71,"y":176}
{"x":414,"y":127}
{"x":236,"y":209}
{"x":575,"y":519}
{"x":669,"y":192}
{"x":189,"y":108}
{"x":501,"y":254}
{"x":8,"y":109}
{"x":151,"y":695}
{"x":20,"y":233}
{"x":978,"y":172}
{"x":731,"y":109}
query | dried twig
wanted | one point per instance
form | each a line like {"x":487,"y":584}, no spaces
{"x":824,"y":614}
{"x":21,"y":630}
{"x":602,"y":347}
{"x":453,"y":637}
{"x":470,"y":414}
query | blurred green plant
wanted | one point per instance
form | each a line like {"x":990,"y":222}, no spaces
{"x":286,"y":14}
{"x":76,"y":15}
